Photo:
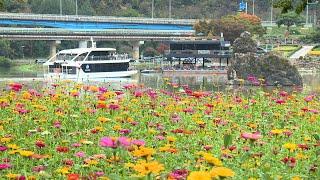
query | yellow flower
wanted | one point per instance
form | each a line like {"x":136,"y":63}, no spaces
{"x":12,"y":176}
{"x":296,"y":178}
{"x":109,"y":94}
{"x":5,"y":140}
{"x":143,"y":152}
{"x":212,"y":160}
{"x":276,"y":131}
{"x":290,"y":146}
{"x":26,"y":95}
{"x":117,"y":127}
{"x":91,"y":162}
{"x":199,"y":175}
{"x":26,"y":153}
{"x":171,"y":138}
{"x":144,"y":168}
{"x":222,"y":172}
{"x":84,"y":141}
{"x":63,"y":170}
{"x":103,"y":119}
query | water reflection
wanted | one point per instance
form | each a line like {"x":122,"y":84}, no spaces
{"x":195,"y":82}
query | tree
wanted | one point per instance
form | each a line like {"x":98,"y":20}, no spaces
{"x":231,"y":26}
{"x":1,"y":5}
{"x":289,"y":19}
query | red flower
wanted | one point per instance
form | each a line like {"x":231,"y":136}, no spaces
{"x":73,"y":176}
{"x":290,"y":161}
{"x":62,"y":149}
{"x":40,"y":144}
{"x":68,"y":162}
{"x":15,"y":86}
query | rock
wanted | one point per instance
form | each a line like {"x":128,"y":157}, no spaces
{"x":244,"y":44}
{"x":275,"y":70}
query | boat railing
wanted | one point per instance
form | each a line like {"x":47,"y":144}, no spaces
{"x":109,"y":57}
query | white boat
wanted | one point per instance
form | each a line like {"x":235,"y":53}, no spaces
{"x":88,"y":63}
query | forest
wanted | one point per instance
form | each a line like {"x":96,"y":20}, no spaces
{"x":196,"y":9}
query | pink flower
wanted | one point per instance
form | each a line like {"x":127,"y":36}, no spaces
{"x":138,"y":142}
{"x":124,"y":131}
{"x":138,"y":93}
{"x":124,"y":141}
{"x":160,"y":137}
{"x":178,"y":174}
{"x":3,"y":148}
{"x":108,"y":142}
{"x":76,"y":145}
{"x":80,"y":154}
{"x":39,"y":168}
{"x":308,"y":98}
{"x":5,"y":166}
{"x":252,"y":136}
{"x":99,"y":173}
{"x":114,"y":106}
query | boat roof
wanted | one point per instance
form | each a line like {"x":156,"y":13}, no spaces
{"x":84,"y":50}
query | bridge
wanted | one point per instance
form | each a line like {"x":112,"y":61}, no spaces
{"x":20,"y":26}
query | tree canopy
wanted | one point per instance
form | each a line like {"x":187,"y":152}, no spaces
{"x":231,"y":26}
{"x":289,"y":19}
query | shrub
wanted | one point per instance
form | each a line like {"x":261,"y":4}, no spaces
{"x":4,"y":62}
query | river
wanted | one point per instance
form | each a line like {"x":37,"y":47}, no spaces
{"x":200,"y":82}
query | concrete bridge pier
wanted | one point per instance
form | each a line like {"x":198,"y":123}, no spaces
{"x":136,"y":50}
{"x":53,"y":47}
{"x":83,"y":44}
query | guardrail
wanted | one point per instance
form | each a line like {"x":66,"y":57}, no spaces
{"x":53,"y":17}
{"x":109,"y":32}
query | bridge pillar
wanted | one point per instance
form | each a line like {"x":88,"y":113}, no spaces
{"x":136,"y":50}
{"x":83,"y":44}
{"x":53,"y":48}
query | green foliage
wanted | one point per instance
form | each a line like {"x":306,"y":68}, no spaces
{"x":313,"y":37}
{"x":4,"y":62}
{"x":289,"y":19}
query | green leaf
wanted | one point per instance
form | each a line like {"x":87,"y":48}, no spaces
{"x":227,"y":140}
{"x":316,"y":137}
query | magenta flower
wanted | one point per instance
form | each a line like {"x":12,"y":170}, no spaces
{"x":114,"y":106}
{"x":5,"y":166}
{"x":138,"y":142}
{"x":125,"y":131}
{"x":80,"y":154}
{"x":124,"y":141}
{"x":108,"y":142}
{"x":178,"y":174}
{"x":138,"y":93}
{"x":251,"y":136}
{"x":3,"y":148}
{"x":76,"y":145}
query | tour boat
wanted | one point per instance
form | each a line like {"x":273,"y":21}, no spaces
{"x":88,"y":63}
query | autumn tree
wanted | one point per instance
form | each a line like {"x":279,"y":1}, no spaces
{"x":231,"y":26}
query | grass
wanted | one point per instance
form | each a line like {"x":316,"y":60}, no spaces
{"x":287,"y":50}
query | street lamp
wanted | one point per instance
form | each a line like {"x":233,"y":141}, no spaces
{"x":152,"y":9}
{"x":60,"y":7}
{"x":76,"y":7}
{"x":170,"y":4}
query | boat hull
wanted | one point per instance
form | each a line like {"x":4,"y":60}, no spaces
{"x":87,"y":76}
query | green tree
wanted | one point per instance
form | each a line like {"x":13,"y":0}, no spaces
{"x":289,"y":19}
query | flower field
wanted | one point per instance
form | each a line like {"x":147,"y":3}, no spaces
{"x":75,"y":131}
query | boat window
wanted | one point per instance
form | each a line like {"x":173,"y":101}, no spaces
{"x":65,"y":57}
{"x":81,"y":57}
{"x":99,"y":55}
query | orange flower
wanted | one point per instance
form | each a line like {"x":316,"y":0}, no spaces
{"x":73,"y":176}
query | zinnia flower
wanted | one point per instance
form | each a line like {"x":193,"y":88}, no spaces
{"x":252,"y":136}
{"x":5,"y":166}
{"x":199,"y":175}
{"x":222,"y":172}
{"x":108,"y":142}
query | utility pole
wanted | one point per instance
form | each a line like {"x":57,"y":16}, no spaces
{"x":152,"y":9}
{"x":170,"y":6}
{"x":76,"y":7}
{"x":252,"y":7}
{"x":60,"y":7}
{"x":271,"y":17}
{"x":307,"y":15}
